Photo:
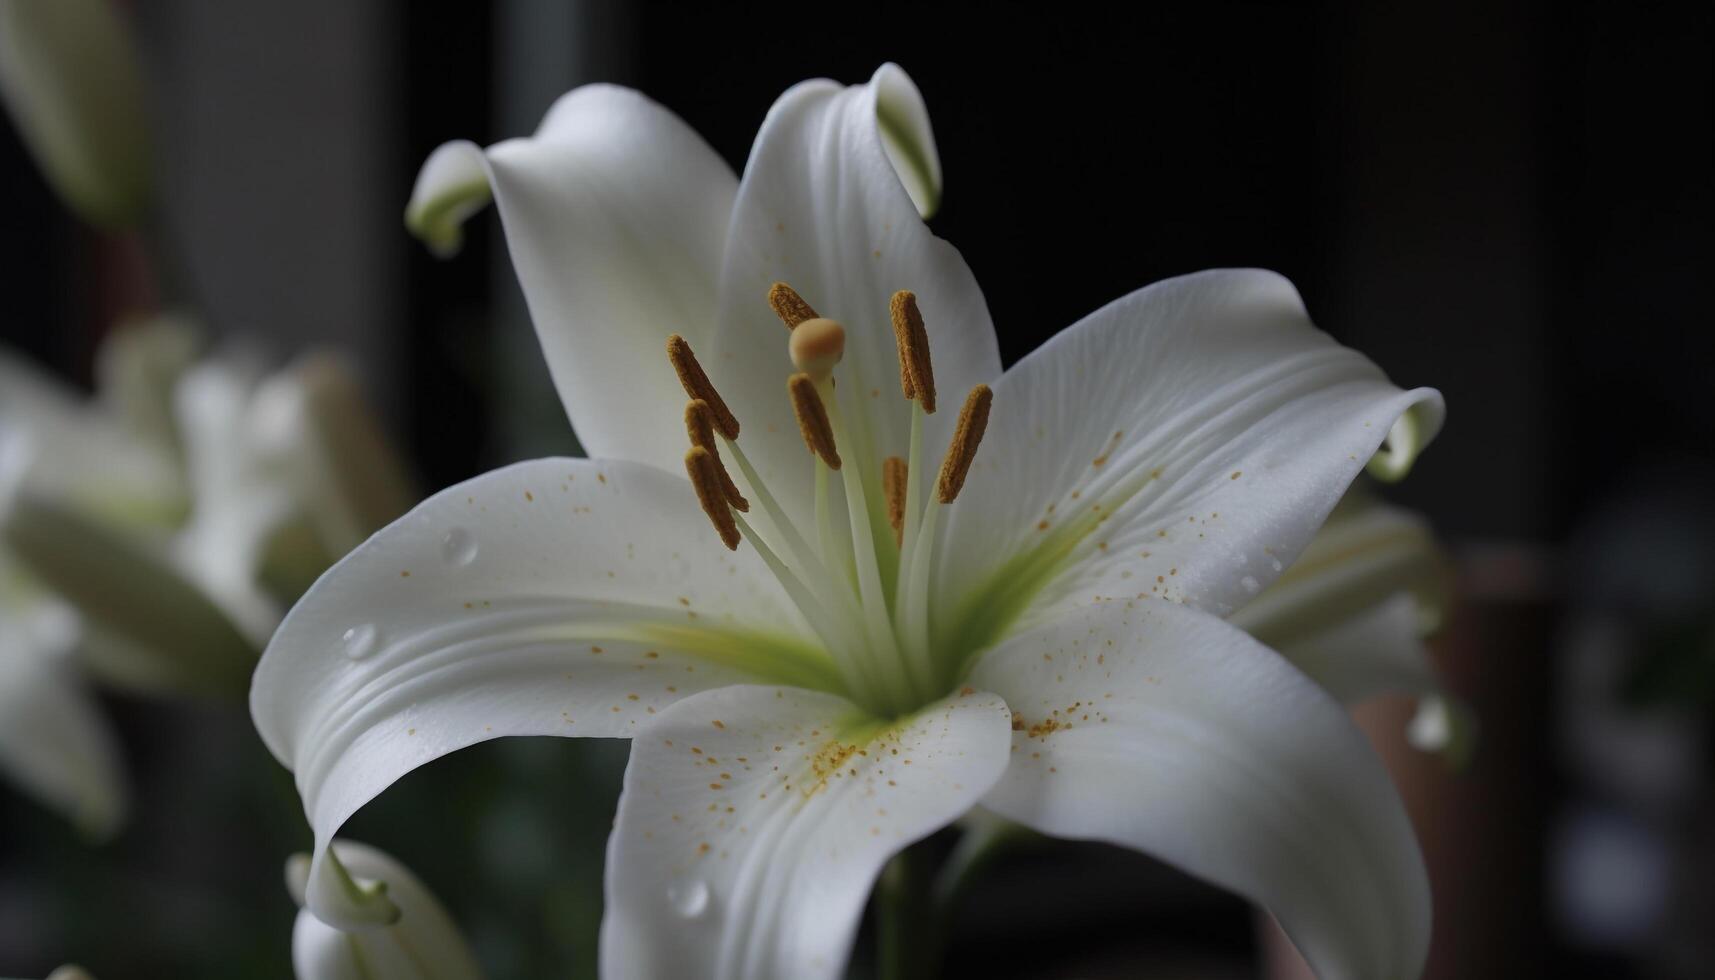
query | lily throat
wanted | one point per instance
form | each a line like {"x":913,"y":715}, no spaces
{"x":861,"y":570}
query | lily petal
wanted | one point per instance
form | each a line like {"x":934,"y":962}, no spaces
{"x":1377,"y":651}
{"x":54,"y":741}
{"x":320,"y":436}
{"x":146,"y":624}
{"x":424,"y":944}
{"x":1184,"y":442}
{"x":755,"y":819}
{"x":137,"y":367}
{"x":616,"y":214}
{"x":451,"y":187}
{"x":1352,"y":611}
{"x":1367,"y":552}
{"x":553,"y":597}
{"x":237,"y":508}
{"x":825,"y":207}
{"x":1151,"y":725}
{"x":93,"y":464}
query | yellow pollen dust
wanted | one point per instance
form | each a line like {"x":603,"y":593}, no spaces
{"x":700,"y":427}
{"x":789,"y":306}
{"x":916,"y":373}
{"x":816,"y":346}
{"x":973,"y":421}
{"x":698,"y":387}
{"x":893,"y":473}
{"x":704,"y":471}
{"x":813,"y":419}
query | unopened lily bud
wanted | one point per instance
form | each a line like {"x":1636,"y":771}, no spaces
{"x":70,"y":78}
{"x":422,"y":943}
{"x":816,"y":346}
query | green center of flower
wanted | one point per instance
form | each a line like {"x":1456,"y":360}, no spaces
{"x":864,"y":588}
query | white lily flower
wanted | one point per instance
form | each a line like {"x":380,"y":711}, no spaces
{"x":1036,"y":631}
{"x":54,"y":741}
{"x":423,"y":943}
{"x":70,"y":77}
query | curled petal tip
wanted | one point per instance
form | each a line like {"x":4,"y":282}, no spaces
{"x":451,"y":187}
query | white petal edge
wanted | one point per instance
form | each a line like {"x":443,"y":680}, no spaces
{"x":506,"y":605}
{"x":451,"y":187}
{"x":424,"y":944}
{"x":1196,"y":432}
{"x":907,"y":137}
{"x":616,"y":216}
{"x":823,"y":208}
{"x":755,"y":820}
{"x":1150,"y":725}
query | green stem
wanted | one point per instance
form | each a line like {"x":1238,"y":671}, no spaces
{"x":908,"y":940}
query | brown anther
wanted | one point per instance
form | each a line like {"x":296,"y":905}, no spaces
{"x":704,"y":471}
{"x":893,"y":473}
{"x":973,"y":420}
{"x":699,"y":387}
{"x":700,"y":427}
{"x":813,"y":419}
{"x":789,"y":306}
{"x":916,"y":373}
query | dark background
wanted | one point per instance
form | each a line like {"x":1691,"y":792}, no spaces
{"x":1511,"y":202}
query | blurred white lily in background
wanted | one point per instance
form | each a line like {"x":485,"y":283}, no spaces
{"x":422,"y":943}
{"x":1036,"y":630}
{"x":153,"y":538}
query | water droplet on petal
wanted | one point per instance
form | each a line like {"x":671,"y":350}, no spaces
{"x":689,"y":898}
{"x":458,"y":547}
{"x":1250,"y":584}
{"x":360,"y":641}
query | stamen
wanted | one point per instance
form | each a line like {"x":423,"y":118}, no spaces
{"x":699,"y":387}
{"x":916,"y":373}
{"x":893,"y":487}
{"x":816,"y":346}
{"x":973,"y":420}
{"x":813,"y":419}
{"x":701,"y":467}
{"x":700,"y":426}
{"x":789,"y":306}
